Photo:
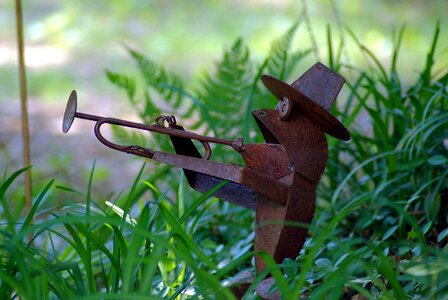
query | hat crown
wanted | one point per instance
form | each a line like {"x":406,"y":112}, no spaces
{"x":320,"y":84}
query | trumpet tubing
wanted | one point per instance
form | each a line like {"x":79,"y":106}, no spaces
{"x":71,"y":113}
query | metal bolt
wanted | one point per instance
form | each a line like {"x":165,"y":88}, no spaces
{"x":284,"y":108}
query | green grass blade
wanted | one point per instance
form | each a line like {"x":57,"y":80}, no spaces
{"x":36,"y":203}
{"x":426,"y":74}
{"x":88,"y":250}
{"x":3,"y":188}
{"x":330,"y":48}
{"x":5,"y":184}
{"x":198,"y":202}
{"x":181,"y":235}
{"x":130,"y":199}
{"x":181,"y":196}
{"x":387,"y":269}
{"x":281,"y":282}
{"x":150,"y":264}
{"x":133,"y":258}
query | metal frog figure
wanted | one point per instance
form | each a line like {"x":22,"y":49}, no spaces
{"x":280,"y":177}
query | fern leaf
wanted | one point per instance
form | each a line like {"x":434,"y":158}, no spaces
{"x":277,"y":59}
{"x":225,"y":92}
{"x":168,"y":85}
{"x":124,"y":82}
{"x":280,"y":64}
{"x":293,"y":60}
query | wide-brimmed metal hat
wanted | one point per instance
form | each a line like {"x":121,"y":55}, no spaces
{"x":313,"y":95}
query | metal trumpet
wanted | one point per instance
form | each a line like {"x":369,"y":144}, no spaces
{"x":71,"y":113}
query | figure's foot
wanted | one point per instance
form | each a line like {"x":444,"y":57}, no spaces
{"x":263,"y":290}
{"x":241,"y":282}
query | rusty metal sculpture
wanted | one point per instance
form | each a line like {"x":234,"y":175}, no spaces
{"x":280,"y":177}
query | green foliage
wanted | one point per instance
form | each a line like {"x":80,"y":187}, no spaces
{"x":393,"y":179}
{"x":380,"y":229}
{"x":400,"y":158}
{"x":224,"y":92}
{"x":95,"y":251}
{"x":223,"y":98}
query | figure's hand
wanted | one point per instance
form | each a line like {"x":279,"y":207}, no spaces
{"x":160,"y":121}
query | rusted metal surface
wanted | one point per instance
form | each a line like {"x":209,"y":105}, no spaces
{"x":320,"y":84}
{"x":269,"y":159}
{"x":313,"y":95}
{"x":280,"y":177}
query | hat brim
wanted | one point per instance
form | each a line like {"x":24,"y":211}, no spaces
{"x":321,"y":117}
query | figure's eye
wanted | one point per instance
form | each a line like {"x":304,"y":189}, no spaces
{"x":284,"y":108}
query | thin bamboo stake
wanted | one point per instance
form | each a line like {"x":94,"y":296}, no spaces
{"x":23,"y":101}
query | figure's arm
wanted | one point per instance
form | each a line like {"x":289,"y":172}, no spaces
{"x":275,"y":190}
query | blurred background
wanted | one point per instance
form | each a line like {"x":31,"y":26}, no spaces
{"x":70,"y":43}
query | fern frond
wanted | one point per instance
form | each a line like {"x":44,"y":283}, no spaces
{"x":279,"y":64}
{"x":169,"y":85}
{"x":293,"y":60}
{"x":124,"y":82}
{"x":277,"y":59}
{"x":129,"y":137}
{"x":225,"y":92}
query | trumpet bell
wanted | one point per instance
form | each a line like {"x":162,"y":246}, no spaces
{"x":70,"y":111}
